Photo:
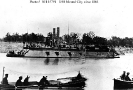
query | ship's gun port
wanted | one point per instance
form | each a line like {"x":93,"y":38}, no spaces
{"x":70,"y":54}
{"x":47,"y":53}
{"x":57,"y":53}
{"x":80,"y":53}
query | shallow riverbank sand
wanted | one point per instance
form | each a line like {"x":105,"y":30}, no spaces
{"x":7,"y":46}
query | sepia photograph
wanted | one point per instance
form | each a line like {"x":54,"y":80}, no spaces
{"x":66,"y":45}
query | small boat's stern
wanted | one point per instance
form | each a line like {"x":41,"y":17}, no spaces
{"x":120,"y":84}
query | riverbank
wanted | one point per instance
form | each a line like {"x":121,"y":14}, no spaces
{"x":123,"y":50}
{"x":7,"y":46}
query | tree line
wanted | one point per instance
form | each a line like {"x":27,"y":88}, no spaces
{"x":15,"y":37}
{"x":72,"y":38}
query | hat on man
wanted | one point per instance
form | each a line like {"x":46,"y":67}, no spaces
{"x":6,"y":75}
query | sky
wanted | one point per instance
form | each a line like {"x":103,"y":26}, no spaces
{"x":106,"y":18}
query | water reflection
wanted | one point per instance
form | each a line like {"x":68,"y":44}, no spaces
{"x":56,"y":61}
{"x":46,"y":61}
{"x":51,"y":61}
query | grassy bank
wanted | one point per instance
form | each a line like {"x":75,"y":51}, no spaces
{"x":6,"y":46}
{"x":124,"y":50}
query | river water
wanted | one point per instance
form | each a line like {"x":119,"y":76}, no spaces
{"x":99,"y":72}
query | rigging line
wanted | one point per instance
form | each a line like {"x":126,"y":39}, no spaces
{"x":40,"y":73}
{"x":44,"y":74}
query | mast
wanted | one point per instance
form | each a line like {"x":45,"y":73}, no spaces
{"x":68,"y":28}
{"x":68,"y":36}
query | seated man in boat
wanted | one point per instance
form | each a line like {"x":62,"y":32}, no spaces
{"x":127,"y":78}
{"x":5,"y":81}
{"x":43,"y":81}
{"x":77,"y":77}
{"x":26,"y":81}
{"x":19,"y":82}
{"x":123,"y":75}
{"x":12,"y":51}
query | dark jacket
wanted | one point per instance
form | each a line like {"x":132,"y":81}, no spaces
{"x":5,"y":81}
{"x":19,"y":83}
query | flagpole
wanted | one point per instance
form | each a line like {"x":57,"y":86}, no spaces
{"x":3,"y":74}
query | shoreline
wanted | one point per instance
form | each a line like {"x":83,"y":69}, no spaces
{"x":7,"y":46}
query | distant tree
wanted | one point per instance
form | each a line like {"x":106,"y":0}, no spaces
{"x":100,"y":40}
{"x":91,"y":34}
{"x":115,"y":41}
{"x":74,"y":37}
{"x":7,"y":37}
{"x":66,"y":38}
{"x":25,"y":37}
{"x":87,"y":38}
{"x":40,"y":37}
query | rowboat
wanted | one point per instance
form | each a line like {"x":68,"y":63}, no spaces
{"x":73,"y":82}
{"x":77,"y":81}
{"x":122,"y":84}
{"x":15,"y":54}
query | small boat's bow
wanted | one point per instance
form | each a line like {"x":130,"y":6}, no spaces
{"x":15,"y":54}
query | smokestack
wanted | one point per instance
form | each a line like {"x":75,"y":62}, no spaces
{"x":58,"y":32}
{"x":53,"y":36}
{"x":54,"y":33}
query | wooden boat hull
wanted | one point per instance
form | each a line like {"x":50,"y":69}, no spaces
{"x":119,"y":84}
{"x":34,"y":85}
{"x":7,"y":87}
{"x":68,"y":54}
{"x":14,"y":55}
{"x":38,"y":88}
{"x":63,"y":53}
